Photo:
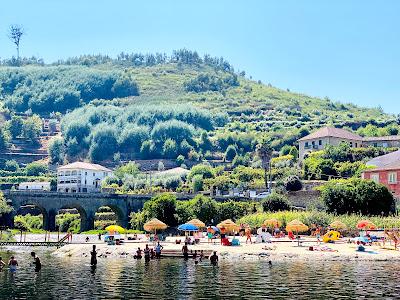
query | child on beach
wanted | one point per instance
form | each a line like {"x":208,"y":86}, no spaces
{"x":248,"y":235}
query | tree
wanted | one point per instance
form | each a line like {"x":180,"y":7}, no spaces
{"x":4,"y":207}
{"x":170,"y":148}
{"x":197,"y":183}
{"x":265,"y":151}
{"x":56,"y":150}
{"x":4,"y":138}
{"x":205,"y":208}
{"x":15,"y":126}
{"x":36,"y":169}
{"x":162,"y":207}
{"x":104,"y":143}
{"x":15,"y":34}
{"x":230,"y":153}
{"x":131,"y":168}
{"x":32,"y":128}
{"x":11,"y":165}
{"x":357,"y":196}
{"x":275,"y":202}
{"x":293,"y":183}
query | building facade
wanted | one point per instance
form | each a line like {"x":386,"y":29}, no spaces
{"x":319,"y":139}
{"x":34,"y":186}
{"x":81,"y":177}
{"x":334,"y":136}
{"x":388,"y":176}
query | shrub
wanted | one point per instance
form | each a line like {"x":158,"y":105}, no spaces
{"x":160,"y":166}
{"x":11,"y":165}
{"x":292,"y":183}
{"x":230,"y":153}
{"x":357,"y":196}
{"x":204,"y":170}
{"x":197,"y":183}
{"x":36,"y":169}
{"x":56,"y":150}
{"x":180,"y":160}
{"x":275,"y":202}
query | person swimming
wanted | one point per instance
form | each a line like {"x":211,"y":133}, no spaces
{"x":13,"y":264}
{"x":93,"y":256}
{"x":36,"y":262}
{"x":138,"y":253}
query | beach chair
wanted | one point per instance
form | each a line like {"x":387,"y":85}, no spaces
{"x":235,"y":242}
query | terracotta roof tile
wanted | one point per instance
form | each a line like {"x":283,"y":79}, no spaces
{"x":332,"y":132}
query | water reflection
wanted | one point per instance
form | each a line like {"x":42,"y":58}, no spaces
{"x":178,"y":279}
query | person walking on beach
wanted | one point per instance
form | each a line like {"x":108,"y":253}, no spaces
{"x":214,"y":258}
{"x":185,"y":251}
{"x":2,"y":264}
{"x":36,"y":262}
{"x":99,"y":236}
{"x":248,"y":235}
{"x":223,"y":234}
{"x":209,"y":234}
{"x":158,"y":250}
{"x":93,"y":256}
{"x":13,"y":264}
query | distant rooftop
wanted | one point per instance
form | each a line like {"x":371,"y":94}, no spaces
{"x":381,"y":138}
{"x":386,"y":161}
{"x":332,"y":132}
{"x":84,"y":166}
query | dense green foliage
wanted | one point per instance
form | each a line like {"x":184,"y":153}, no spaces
{"x":61,"y":88}
{"x":166,"y":208}
{"x":357,"y":196}
{"x":4,"y":207}
{"x":275,"y":202}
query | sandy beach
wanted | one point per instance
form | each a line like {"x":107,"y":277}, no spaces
{"x":280,"y":250}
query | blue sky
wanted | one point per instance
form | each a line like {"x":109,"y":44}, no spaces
{"x":346,"y":50}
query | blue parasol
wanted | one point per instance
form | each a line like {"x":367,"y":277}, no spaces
{"x":188,"y":227}
{"x":215,"y":228}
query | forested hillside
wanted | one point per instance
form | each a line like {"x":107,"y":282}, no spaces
{"x":158,"y":106}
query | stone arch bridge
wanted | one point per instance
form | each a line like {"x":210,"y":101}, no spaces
{"x":86,"y":203}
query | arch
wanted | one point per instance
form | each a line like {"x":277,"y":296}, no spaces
{"x":87,"y":218}
{"x":43,"y":211}
{"x":122,"y":217}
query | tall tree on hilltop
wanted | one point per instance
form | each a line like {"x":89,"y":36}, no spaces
{"x":15,"y":34}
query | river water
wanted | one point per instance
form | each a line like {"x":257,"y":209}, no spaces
{"x":67,"y":278}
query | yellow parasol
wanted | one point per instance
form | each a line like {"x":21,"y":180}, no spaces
{"x":229,"y":225}
{"x":197,"y":222}
{"x":338,"y":225}
{"x":297,"y":226}
{"x":272,"y":223}
{"x":154,"y":224}
{"x":115,"y":228}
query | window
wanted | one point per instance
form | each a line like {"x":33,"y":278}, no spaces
{"x":393,"y":177}
{"x":351,"y":144}
{"x":85,"y":182}
{"x":320,"y":142}
{"x":313,"y":143}
{"x":356,"y":145}
{"x":73,"y":173}
{"x":375,"y":177}
{"x":94,"y":174}
{"x":306,"y":144}
{"x":85,"y":173}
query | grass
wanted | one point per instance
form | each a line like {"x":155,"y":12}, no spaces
{"x":96,"y":231}
{"x":318,"y":217}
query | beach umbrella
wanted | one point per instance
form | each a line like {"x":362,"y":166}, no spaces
{"x":188,"y":227}
{"x":215,"y":228}
{"x":272,"y":223}
{"x":154,"y":224}
{"x":115,"y":228}
{"x":197,"y":222}
{"x":297,"y":226}
{"x":229,"y":225}
{"x":338,"y":225}
{"x":365,"y":225}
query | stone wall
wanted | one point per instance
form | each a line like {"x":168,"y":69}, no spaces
{"x":305,"y":199}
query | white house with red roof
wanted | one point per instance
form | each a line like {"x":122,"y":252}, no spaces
{"x":327,"y":136}
{"x":81,"y":177}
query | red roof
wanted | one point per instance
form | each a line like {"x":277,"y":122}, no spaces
{"x":332,"y":132}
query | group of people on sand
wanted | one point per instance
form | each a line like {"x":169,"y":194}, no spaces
{"x":13,"y":263}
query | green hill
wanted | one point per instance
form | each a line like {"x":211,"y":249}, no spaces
{"x":154,"y":106}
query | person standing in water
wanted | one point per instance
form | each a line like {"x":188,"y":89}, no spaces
{"x":93,"y":256}
{"x":2,"y":264}
{"x":185,"y":251}
{"x":36,"y":262}
{"x":214,"y":259}
{"x":13,"y":264}
{"x":146,"y":253}
{"x":158,"y":250}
